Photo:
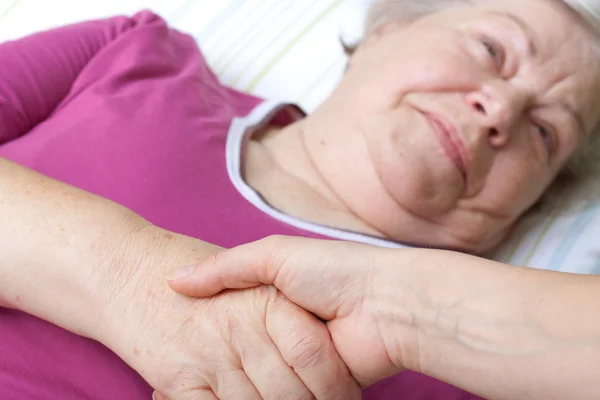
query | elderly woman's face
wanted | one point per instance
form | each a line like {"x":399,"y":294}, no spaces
{"x":469,"y":114}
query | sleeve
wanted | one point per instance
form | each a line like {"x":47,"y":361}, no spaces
{"x":37,"y":72}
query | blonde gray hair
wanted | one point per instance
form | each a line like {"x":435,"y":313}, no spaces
{"x":580,"y":174}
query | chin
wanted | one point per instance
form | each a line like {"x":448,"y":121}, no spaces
{"x":479,"y":245}
{"x":426,"y":233}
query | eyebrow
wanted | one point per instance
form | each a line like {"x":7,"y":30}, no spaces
{"x":525,"y":28}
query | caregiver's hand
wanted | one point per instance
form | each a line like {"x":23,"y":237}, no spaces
{"x":461,"y":319}
{"x":334,"y":280}
{"x":250,"y":344}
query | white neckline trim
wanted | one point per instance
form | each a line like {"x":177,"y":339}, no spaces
{"x":239,"y":129}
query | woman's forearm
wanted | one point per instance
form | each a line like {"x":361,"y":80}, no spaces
{"x":56,"y":243}
{"x":66,"y":254}
{"x":496,"y":330}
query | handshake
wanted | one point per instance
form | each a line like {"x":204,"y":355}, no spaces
{"x":294,"y":318}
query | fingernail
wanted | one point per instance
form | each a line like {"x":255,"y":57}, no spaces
{"x":154,"y":397}
{"x":180,"y":272}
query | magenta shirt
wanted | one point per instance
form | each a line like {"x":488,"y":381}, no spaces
{"x":127,"y":108}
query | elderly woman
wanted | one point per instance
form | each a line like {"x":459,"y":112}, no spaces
{"x":125,"y":151}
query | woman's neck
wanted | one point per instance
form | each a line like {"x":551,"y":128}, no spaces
{"x":279,"y":165}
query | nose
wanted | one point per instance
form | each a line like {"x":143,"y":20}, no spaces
{"x":498,"y":107}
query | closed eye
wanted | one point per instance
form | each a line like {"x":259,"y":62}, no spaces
{"x":547,"y":138}
{"x":495,"y":50}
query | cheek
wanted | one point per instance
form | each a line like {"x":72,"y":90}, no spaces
{"x":515,"y":183}
{"x":387,"y":74}
{"x":438,"y":66}
{"x":411,"y":164}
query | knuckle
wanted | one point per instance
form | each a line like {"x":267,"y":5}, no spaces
{"x":307,"y":353}
{"x":275,"y":244}
{"x":217,"y":258}
{"x":230,"y":382}
{"x":279,"y":249}
{"x":274,"y":240}
{"x":273,"y":249}
{"x":185,"y":382}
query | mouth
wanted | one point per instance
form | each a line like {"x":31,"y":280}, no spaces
{"x":452,"y":144}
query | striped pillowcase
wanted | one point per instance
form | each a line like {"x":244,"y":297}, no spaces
{"x":289,"y":50}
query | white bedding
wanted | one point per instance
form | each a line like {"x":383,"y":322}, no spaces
{"x":289,"y":50}
{"x":273,"y":48}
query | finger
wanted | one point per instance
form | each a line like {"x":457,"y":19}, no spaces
{"x":204,"y":394}
{"x":159,"y":396}
{"x":201,"y":394}
{"x":305,"y":345}
{"x":232,"y":385}
{"x":242,"y":267}
{"x":266,"y":368}
{"x":321,"y":276}
{"x":296,"y":266}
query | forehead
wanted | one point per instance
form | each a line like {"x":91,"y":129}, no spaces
{"x":566,"y":66}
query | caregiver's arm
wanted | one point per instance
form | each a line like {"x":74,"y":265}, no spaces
{"x":500,"y":331}
{"x":38,"y":71}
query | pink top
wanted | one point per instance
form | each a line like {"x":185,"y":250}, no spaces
{"x":127,"y":108}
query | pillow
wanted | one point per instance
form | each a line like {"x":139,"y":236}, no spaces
{"x":289,"y":50}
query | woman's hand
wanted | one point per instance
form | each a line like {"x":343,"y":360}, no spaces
{"x":334,"y":280}
{"x":97,"y":269}
{"x":250,"y":344}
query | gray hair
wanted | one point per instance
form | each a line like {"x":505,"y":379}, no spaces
{"x":579,"y":178}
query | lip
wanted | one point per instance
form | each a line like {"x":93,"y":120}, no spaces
{"x":451,"y":142}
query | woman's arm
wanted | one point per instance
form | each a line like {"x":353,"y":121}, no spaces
{"x":38,"y":71}
{"x":66,"y":253}
{"x":96,"y":269}
{"x":499,"y":331}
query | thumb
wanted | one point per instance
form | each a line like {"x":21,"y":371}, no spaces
{"x":318,"y":275}
{"x":242,"y":267}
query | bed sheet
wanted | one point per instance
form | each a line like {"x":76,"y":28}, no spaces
{"x":279,"y":49}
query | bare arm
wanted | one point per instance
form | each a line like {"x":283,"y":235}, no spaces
{"x":66,"y":253}
{"x":50,"y":232}
{"x":96,"y":269}
{"x":499,"y":331}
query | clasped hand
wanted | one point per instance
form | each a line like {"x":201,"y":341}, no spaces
{"x":333,"y":280}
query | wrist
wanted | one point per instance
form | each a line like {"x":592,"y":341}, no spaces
{"x":400,"y":308}
{"x":421,"y":303}
{"x":137,"y":284}
{"x":466,"y":320}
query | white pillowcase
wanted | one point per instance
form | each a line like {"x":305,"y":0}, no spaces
{"x":289,"y":50}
